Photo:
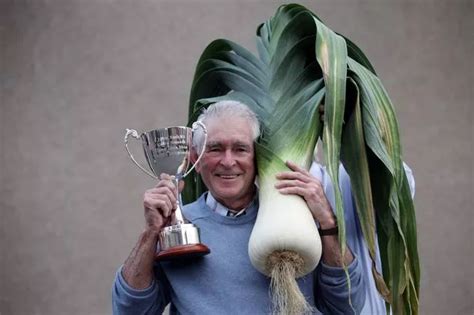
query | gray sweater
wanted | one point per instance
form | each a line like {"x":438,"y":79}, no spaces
{"x":225,"y":282}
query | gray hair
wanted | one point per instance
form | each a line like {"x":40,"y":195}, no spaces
{"x":226,"y":108}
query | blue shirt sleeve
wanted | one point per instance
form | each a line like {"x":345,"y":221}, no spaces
{"x":374,"y":303}
{"x":332,"y":293}
{"x":127,"y":300}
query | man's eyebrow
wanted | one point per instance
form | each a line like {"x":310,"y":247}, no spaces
{"x":234,"y":144}
{"x":242,"y":144}
{"x":213,"y":144}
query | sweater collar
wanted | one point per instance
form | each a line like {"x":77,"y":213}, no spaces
{"x":219,"y":208}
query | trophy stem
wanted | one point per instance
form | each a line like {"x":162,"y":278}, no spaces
{"x":178,"y":213}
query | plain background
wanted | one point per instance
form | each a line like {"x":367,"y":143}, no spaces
{"x":75,"y":73}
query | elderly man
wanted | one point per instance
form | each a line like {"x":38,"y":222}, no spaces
{"x":225,"y":282}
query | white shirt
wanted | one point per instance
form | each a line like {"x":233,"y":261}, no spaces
{"x":216,"y":206}
{"x":374,"y":303}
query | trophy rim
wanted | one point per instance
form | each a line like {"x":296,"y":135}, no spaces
{"x":167,"y":128}
{"x":178,"y":227}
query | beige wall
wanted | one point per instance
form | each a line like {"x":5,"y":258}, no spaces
{"x":74,"y":74}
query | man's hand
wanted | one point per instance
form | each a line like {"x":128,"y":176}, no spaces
{"x":301,"y":182}
{"x":160,"y":203}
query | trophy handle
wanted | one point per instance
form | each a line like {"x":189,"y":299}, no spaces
{"x":134,"y":134}
{"x":194,"y":126}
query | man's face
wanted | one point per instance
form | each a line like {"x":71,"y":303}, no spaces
{"x":227,"y":166}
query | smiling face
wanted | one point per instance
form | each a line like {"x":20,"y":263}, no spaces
{"x":227,"y":166}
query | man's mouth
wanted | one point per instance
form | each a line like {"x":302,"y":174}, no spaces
{"x":227,"y":176}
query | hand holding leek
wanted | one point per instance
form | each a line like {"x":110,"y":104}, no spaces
{"x":300,"y":182}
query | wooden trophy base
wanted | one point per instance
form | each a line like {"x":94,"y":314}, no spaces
{"x":179,"y":252}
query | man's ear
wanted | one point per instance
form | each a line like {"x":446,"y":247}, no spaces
{"x":194,"y":156}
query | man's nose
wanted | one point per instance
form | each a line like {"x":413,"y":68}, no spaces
{"x":228,"y":159}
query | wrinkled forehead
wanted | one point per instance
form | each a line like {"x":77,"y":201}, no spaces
{"x":229,"y":130}
{"x":229,"y":143}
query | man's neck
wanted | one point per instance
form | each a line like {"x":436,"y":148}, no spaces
{"x":237,"y":204}
{"x":223,"y":210}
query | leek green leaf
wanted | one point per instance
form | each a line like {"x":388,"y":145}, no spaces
{"x":301,"y":65}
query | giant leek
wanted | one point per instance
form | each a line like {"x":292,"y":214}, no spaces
{"x":302,"y":64}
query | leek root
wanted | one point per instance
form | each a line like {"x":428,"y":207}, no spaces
{"x":287,"y":298}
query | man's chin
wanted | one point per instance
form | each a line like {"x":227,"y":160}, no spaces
{"x":228,"y":179}
{"x":230,"y":193}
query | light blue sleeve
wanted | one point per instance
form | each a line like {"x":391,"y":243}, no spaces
{"x":127,"y":300}
{"x":332,"y":282}
{"x":332,"y":293}
{"x":374,"y":303}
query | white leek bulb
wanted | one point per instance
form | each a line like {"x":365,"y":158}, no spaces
{"x":284,"y":223}
{"x":285,"y":242}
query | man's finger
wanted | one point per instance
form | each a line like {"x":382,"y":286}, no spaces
{"x":293,"y":191}
{"x":163,"y":206}
{"x":290,"y":183}
{"x":295,"y":167}
{"x":293,"y":175}
{"x":171,"y":193}
{"x":166,"y":181}
{"x":164,"y":176}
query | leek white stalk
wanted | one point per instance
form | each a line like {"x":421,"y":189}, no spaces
{"x":284,"y":245}
{"x":284,"y":223}
{"x":285,"y":242}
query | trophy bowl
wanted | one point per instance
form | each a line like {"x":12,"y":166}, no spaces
{"x":168,"y":150}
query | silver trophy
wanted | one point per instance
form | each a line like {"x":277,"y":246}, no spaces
{"x":168,"y":150}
